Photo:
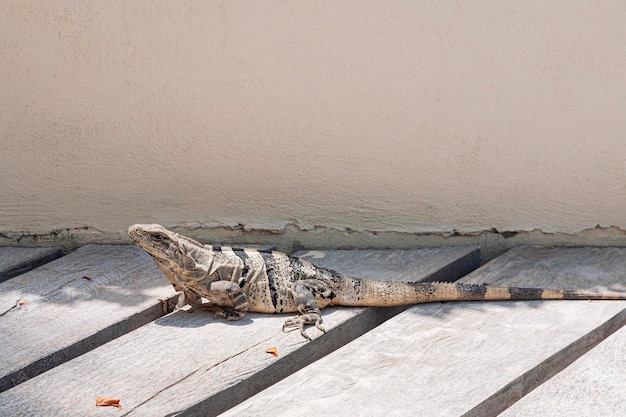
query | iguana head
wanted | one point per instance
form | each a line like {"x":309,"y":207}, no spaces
{"x":154,"y":239}
{"x":172,"y":251}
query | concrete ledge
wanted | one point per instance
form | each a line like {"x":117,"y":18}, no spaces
{"x":594,"y":385}
{"x":15,"y":261}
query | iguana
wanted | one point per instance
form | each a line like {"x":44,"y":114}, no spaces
{"x":236,"y":280}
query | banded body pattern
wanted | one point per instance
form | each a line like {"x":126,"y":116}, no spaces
{"x":267,"y":278}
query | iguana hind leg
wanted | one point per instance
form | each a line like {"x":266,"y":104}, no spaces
{"x":304,"y":295}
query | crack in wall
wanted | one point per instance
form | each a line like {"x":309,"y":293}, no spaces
{"x":293,"y":237}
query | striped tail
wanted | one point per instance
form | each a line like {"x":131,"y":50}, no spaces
{"x":364,"y":292}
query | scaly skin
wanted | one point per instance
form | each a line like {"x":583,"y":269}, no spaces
{"x":235,"y":281}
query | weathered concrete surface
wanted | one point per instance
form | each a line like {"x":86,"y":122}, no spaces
{"x":418,"y":116}
{"x":594,"y":385}
{"x":435,"y":360}
{"x":468,"y":358}
{"x":591,"y":269}
{"x":15,"y":261}
{"x":205,"y":365}
{"x":73,"y":304}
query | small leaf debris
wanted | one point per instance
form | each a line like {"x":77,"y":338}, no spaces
{"x":108,"y":401}
{"x":273,"y":351}
{"x":87,"y":278}
{"x":21,"y":303}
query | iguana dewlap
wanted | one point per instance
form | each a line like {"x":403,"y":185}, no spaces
{"x":235,"y":281}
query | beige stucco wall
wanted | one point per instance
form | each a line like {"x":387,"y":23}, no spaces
{"x":360,"y":118}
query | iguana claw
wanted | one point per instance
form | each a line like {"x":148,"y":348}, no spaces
{"x":300,"y":321}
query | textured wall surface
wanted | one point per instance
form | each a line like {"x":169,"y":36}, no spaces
{"x":356,"y":116}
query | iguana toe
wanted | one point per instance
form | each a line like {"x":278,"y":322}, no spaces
{"x":305,"y":319}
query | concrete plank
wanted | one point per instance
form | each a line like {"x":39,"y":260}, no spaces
{"x":586,"y":268}
{"x":15,"y":261}
{"x":73,"y":304}
{"x":466,"y":358}
{"x":203,"y":365}
{"x":594,"y":385}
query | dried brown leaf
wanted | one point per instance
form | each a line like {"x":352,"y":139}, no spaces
{"x":273,"y":351}
{"x":108,"y":401}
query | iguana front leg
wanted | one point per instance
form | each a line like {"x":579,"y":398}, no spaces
{"x":226,"y":300}
{"x":304,"y":295}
